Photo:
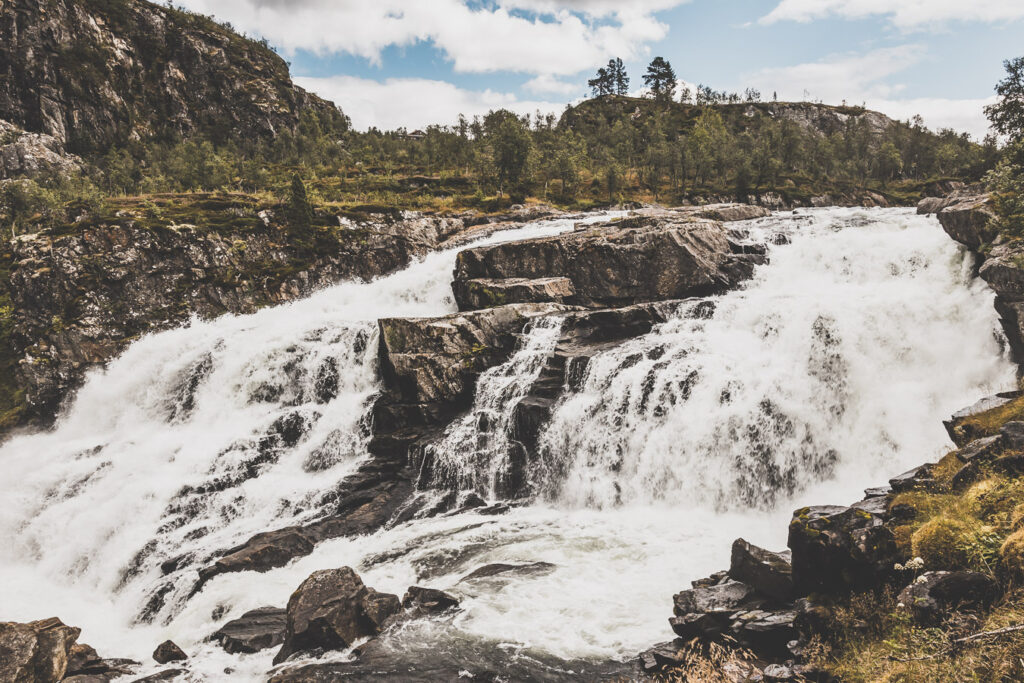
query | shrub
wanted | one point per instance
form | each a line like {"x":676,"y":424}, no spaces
{"x":1011,"y":556}
{"x":943,"y":543}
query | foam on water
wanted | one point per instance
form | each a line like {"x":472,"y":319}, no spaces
{"x":828,"y":372}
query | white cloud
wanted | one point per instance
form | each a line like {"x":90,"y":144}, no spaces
{"x":867,"y":79}
{"x":568,"y":36}
{"x":414,"y":102}
{"x":905,"y":14}
{"x":546,"y":83}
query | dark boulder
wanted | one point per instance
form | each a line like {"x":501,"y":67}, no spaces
{"x":332,"y":609}
{"x":934,"y":594}
{"x":167,"y":651}
{"x":36,"y":652}
{"x":479,"y":293}
{"x":838,"y":549}
{"x":426,"y":601}
{"x":263,"y":552}
{"x":770,"y":574}
{"x":255,"y":630}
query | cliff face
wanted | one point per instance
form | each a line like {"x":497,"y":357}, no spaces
{"x":96,"y":73}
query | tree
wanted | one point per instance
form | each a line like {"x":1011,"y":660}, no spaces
{"x":603,"y":84}
{"x":1007,"y":115}
{"x":298,"y":211}
{"x":510,"y":143}
{"x":661,"y":79}
{"x":620,"y":79}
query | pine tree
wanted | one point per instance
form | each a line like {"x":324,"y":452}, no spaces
{"x":661,"y":79}
{"x":620,"y":79}
{"x":604,"y":83}
{"x":299,"y":212}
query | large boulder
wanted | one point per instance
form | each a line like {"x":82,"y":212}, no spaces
{"x":967,"y":221}
{"x":934,"y":594}
{"x":255,"y":630}
{"x":963,"y":426}
{"x":168,"y":651}
{"x":771,"y":574}
{"x":331,"y":610}
{"x":636,"y":259}
{"x":838,"y":549}
{"x":36,"y":652}
{"x":1003,"y":272}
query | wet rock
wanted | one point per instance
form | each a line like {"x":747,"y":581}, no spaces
{"x":500,"y":569}
{"x":167,"y":651}
{"x":707,"y":611}
{"x":427,"y":601}
{"x":486,"y":293}
{"x":980,"y":449}
{"x":838,"y":549}
{"x":36,"y":652}
{"x":1003,"y":273}
{"x":165,"y":675}
{"x":917,"y":479}
{"x":266,"y":551}
{"x":934,"y":594}
{"x":636,"y":259}
{"x":766,"y":634}
{"x":877,"y":505}
{"x":332,"y":609}
{"x":768,"y":573}
{"x":255,"y":630}
{"x":86,"y":666}
{"x":877,"y":491}
{"x":967,"y":221}
{"x":957,"y":425}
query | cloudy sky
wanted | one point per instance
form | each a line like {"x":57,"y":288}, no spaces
{"x":391,"y":63}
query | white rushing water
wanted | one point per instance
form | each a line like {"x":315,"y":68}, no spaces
{"x":830,"y":371}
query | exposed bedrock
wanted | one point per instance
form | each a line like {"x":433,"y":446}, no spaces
{"x":47,"y":651}
{"x":644,"y":257}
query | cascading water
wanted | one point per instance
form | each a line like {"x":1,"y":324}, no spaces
{"x":814,"y":380}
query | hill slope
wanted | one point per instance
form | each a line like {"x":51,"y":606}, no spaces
{"x":97,"y":73}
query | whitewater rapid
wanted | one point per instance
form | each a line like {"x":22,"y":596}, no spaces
{"x":828,"y":372}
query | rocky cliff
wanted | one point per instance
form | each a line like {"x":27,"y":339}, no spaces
{"x":96,"y":73}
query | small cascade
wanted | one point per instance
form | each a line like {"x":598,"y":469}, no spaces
{"x":478,"y":452}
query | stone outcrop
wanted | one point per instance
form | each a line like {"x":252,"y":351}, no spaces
{"x":480,"y":293}
{"x":37,"y":652}
{"x":636,"y":259}
{"x":27,"y":155}
{"x":95,"y":74}
{"x":331,"y":610}
{"x":769,"y":573}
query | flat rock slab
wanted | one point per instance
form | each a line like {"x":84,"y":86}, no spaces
{"x":255,"y":630}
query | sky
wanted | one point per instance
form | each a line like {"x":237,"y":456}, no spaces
{"x":410,"y":63}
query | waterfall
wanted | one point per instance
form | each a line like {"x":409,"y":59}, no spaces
{"x":815,"y":379}
{"x":477,"y":452}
